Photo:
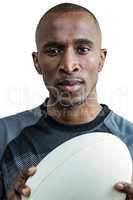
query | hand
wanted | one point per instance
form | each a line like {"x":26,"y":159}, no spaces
{"x":19,"y":188}
{"x":125,"y":188}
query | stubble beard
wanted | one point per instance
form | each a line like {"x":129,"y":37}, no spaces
{"x":67,"y":101}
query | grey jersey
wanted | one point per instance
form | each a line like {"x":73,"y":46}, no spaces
{"x":11,"y":126}
{"x":41,"y":135}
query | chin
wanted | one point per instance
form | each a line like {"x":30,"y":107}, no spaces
{"x":69,"y":103}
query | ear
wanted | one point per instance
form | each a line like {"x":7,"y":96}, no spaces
{"x":103,"y":53}
{"x":36,"y":63}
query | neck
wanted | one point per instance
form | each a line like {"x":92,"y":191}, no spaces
{"x":77,"y":114}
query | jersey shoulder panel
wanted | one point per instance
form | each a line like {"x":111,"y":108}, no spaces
{"x":118,"y":124}
{"x":122,"y":128}
{"x":11,"y":126}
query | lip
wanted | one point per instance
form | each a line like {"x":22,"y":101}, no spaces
{"x":70,"y":82}
{"x":71,"y":88}
{"x":70,"y":85}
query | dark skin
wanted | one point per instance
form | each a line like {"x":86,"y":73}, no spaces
{"x":68,"y":52}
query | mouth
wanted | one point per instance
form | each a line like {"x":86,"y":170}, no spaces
{"x":70,"y":85}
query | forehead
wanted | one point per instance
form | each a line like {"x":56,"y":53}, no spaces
{"x":67,"y":27}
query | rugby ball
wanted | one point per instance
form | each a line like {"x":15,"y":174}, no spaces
{"x":83,"y":168}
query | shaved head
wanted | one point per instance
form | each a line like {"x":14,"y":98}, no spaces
{"x":62,"y":8}
{"x":68,"y":39}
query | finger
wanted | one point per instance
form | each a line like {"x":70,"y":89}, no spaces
{"x":19,"y":187}
{"x":26,"y":173}
{"x":23,"y":190}
{"x":125,"y":187}
{"x":26,"y":191}
{"x":31,"y":171}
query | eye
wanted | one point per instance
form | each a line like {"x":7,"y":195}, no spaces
{"x":83,"y":50}
{"x":53,"y":51}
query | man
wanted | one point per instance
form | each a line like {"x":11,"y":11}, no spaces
{"x":69,"y":57}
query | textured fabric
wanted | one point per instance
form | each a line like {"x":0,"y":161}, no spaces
{"x":11,"y":126}
{"x":36,"y":141}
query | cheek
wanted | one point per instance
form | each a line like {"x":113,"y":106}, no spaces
{"x":93,"y":63}
{"x":48,"y":67}
{"x":91,"y":71}
{"x":47,"y":62}
{"x":91,"y":66}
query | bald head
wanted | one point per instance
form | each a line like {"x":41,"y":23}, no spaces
{"x":64,"y":8}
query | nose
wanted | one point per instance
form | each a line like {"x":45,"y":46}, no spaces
{"x":69,"y":62}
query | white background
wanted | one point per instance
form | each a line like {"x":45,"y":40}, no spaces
{"x":22,"y":88}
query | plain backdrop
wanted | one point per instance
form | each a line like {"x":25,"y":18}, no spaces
{"x":21,"y":88}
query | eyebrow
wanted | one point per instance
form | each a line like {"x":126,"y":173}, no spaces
{"x":53,"y":44}
{"x":84,"y":41}
{"x":62,"y":44}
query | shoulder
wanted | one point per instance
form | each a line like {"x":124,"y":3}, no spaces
{"x":118,"y":124}
{"x":120,"y":127}
{"x":11,"y":126}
